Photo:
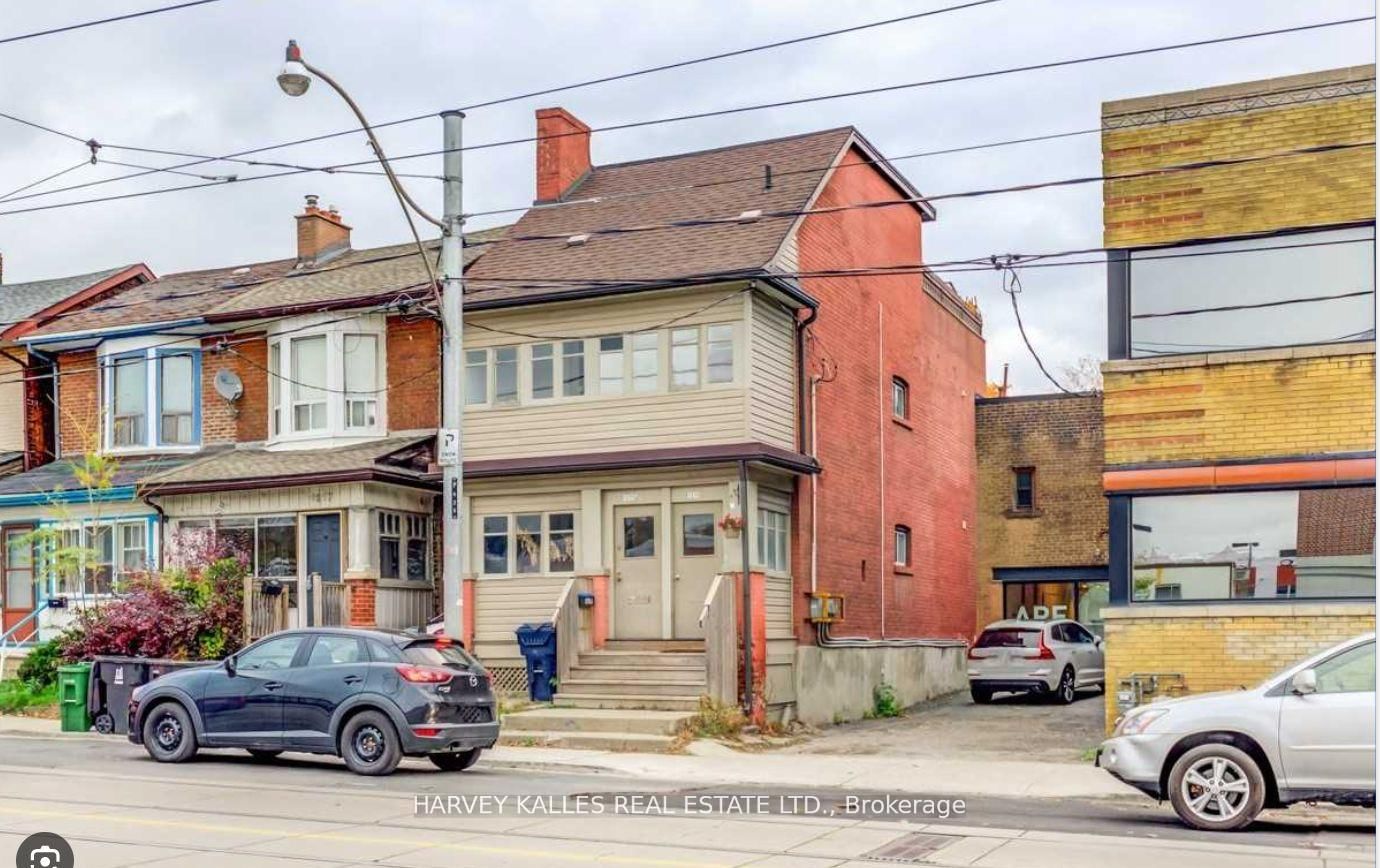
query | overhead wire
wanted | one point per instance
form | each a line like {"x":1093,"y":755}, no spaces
{"x":5,"y":40}
{"x":45,"y":179}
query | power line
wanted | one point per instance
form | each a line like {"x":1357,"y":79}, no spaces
{"x":45,"y":179}
{"x":719,"y":112}
{"x":1011,"y":285}
{"x":52,"y":30}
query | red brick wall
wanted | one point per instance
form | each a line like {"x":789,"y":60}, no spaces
{"x":414,"y":376}
{"x":79,"y":414}
{"x":930,"y":464}
{"x":1336,"y":521}
{"x":246,"y":420}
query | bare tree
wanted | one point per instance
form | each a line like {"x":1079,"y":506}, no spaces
{"x":1084,"y":375}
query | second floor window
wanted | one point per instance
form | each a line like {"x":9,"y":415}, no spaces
{"x":1025,"y":488}
{"x":152,"y":399}
{"x":902,"y":545}
{"x":327,"y":383}
{"x":900,"y":398}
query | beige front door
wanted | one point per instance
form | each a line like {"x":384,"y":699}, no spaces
{"x":697,"y":558}
{"x":637,"y":572}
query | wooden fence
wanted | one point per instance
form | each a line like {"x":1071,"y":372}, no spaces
{"x":263,"y":613}
{"x":720,"y":622}
{"x":403,"y":606}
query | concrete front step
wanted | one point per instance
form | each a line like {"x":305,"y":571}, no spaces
{"x":679,"y":659}
{"x":658,"y":645}
{"x":603,"y":672}
{"x":620,"y":741}
{"x":649,"y":687}
{"x":686,"y":702}
{"x":591,"y":720}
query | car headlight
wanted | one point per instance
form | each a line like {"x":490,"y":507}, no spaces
{"x":1135,"y":724}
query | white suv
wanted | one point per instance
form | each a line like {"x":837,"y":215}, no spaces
{"x":1045,"y":657}
{"x":1305,"y":734}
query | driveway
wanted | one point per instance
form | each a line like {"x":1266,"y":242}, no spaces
{"x":1012,"y":727}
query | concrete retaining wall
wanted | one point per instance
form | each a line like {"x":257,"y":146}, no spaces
{"x":836,"y":684}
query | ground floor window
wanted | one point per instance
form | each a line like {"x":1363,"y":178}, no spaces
{"x":94,"y":556}
{"x":528,"y":543}
{"x":268,"y":542}
{"x":1254,"y":545}
{"x":404,"y":546}
{"x":773,"y":548}
{"x":1052,"y":601}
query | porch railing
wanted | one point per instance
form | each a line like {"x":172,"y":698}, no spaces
{"x":403,"y":607}
{"x":720,"y":623}
{"x":15,"y":637}
{"x":334,"y":600}
{"x":263,"y":613}
{"x":570,"y":639}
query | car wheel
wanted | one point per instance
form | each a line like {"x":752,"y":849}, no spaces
{"x":168,"y":733}
{"x":262,"y":755}
{"x":369,"y":744}
{"x":455,"y":762}
{"x":1216,"y":787}
{"x":981,"y":695}
{"x":1066,"y":692}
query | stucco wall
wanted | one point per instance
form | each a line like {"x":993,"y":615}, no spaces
{"x":836,"y":684}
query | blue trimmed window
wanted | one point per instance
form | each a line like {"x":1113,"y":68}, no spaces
{"x":153,"y":399}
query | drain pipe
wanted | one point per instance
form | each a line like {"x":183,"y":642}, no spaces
{"x":746,"y":537}
{"x":809,"y":437}
{"x":824,"y":640}
{"x":881,"y":468}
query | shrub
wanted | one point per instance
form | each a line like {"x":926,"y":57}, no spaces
{"x":39,"y":669}
{"x":884,"y":702}
{"x":181,"y":614}
{"x":716,"y":720}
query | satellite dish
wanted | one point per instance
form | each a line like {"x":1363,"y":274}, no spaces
{"x":228,"y":385}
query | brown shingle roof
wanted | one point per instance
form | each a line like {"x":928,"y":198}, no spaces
{"x":797,"y":167}
{"x":258,"y":465}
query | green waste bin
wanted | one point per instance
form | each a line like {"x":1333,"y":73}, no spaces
{"x":73,"y":683}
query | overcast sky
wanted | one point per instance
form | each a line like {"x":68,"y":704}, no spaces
{"x":201,"y":80}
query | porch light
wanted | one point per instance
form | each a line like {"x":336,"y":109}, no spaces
{"x":294,"y":78}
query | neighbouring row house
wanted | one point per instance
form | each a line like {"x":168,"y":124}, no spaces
{"x":638,"y":407}
{"x":1239,"y":405}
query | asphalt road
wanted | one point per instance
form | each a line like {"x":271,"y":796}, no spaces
{"x":49,"y":777}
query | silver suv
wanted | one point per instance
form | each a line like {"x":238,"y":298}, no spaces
{"x":1305,"y":734}
{"x":1052,"y":658}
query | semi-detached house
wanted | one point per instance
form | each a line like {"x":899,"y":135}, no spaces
{"x":638,"y":407}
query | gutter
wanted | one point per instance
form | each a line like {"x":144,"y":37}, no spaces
{"x":788,"y":288}
{"x":129,"y":331}
{"x":368,"y":474}
{"x":44,"y":498}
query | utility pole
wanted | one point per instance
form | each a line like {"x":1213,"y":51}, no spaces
{"x":450,"y":437}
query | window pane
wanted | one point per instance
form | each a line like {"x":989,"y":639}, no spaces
{"x":1349,"y":672}
{"x":561,"y":549}
{"x":611,"y":365}
{"x":639,"y":536}
{"x":528,"y":547}
{"x":900,"y":399}
{"x":133,"y":547}
{"x":388,"y":557}
{"x":1025,"y":489}
{"x":697,"y":534}
{"x":476,"y":376}
{"x":129,"y":390}
{"x":719,"y":339}
{"x":1254,"y":545}
{"x":309,"y":382}
{"x":495,"y":544}
{"x":1249,"y":273}
{"x":543,"y":372}
{"x":277,"y":548}
{"x":361,"y":363}
{"x":334,"y":650}
{"x":573,"y":368}
{"x":272,"y":654}
{"x":506,"y":375}
{"x":902,"y":545}
{"x":685,"y":358}
{"x":275,"y":388}
{"x":416,"y":559}
{"x":646,"y":348}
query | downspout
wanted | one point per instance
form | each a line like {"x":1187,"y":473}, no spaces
{"x":746,"y":537}
{"x":881,"y":468}
{"x":162,"y":528}
{"x":809,"y":440}
{"x":49,"y":391}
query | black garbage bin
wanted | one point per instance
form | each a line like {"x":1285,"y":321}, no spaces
{"x":113,"y":679}
{"x":538,"y":645}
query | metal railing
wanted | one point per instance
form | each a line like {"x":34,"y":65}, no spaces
{"x":720,"y":623}
{"x":10,"y":640}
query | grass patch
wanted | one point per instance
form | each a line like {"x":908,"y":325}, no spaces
{"x":884,"y":703}
{"x":1088,"y":754}
{"x":21,"y":697}
{"x":716,"y":720}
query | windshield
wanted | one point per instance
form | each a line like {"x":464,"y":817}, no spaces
{"x":1009,"y":637}
{"x":439,"y":652}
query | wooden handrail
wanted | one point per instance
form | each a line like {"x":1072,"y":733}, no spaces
{"x":560,"y":601}
{"x":709,"y":597}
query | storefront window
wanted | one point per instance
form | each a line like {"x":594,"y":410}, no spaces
{"x":1316,"y":543}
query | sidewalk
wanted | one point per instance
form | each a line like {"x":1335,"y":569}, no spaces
{"x":711,"y":763}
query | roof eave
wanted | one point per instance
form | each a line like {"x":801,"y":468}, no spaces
{"x":38,"y":318}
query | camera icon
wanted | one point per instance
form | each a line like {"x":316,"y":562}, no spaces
{"x":44,"y":850}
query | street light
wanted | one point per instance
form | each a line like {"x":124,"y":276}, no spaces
{"x":295,"y":78}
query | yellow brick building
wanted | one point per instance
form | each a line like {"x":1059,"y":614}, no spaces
{"x":1239,"y":405}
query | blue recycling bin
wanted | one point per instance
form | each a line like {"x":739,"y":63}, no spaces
{"x":538,"y":645}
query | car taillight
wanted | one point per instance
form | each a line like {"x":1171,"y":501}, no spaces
{"x":1045,"y":653}
{"x":423,"y":674}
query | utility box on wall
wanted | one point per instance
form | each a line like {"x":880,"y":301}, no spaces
{"x":825,"y":608}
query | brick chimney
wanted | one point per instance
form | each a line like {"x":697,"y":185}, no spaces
{"x":562,"y":152}
{"x":320,"y":234}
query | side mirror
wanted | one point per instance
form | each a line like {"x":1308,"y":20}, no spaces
{"x":1097,"y":641}
{"x":1304,"y":682}
{"x":230,"y":665}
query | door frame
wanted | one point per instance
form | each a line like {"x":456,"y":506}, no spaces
{"x":306,"y":612}
{"x":5,"y":531}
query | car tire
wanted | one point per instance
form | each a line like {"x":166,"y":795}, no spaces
{"x":169,"y":736}
{"x":1239,"y":784}
{"x":981,"y":695}
{"x":1067,"y":690}
{"x":261,"y":755}
{"x":370,"y":745}
{"x":455,"y":762}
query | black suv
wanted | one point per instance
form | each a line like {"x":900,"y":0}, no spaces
{"x":368,"y":696}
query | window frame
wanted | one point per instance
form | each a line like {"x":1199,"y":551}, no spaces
{"x":283,"y":339}
{"x":901,"y":537}
{"x":773,"y":525}
{"x":77,"y":534}
{"x":1016,"y":474}
{"x":152,"y":358}
{"x":510,"y":535}
{"x":404,"y":528}
{"x":900,"y":388}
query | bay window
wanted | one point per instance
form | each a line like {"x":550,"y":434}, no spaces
{"x":327,"y":381}
{"x":685,"y":358}
{"x":152,"y":397}
{"x":719,"y":343}
{"x":543,"y":372}
{"x":528,"y":543}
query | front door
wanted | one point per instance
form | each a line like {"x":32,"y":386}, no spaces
{"x":323,"y":557}
{"x":697,"y":559}
{"x":637,"y":573}
{"x":18,"y":593}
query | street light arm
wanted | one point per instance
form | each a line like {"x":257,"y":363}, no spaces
{"x":403,"y":196}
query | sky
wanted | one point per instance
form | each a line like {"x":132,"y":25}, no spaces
{"x":201,"y":80}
